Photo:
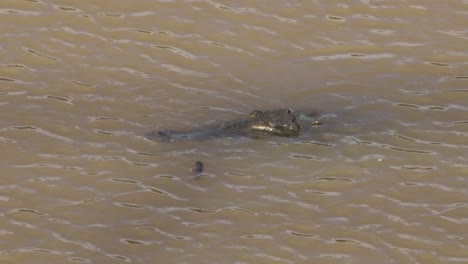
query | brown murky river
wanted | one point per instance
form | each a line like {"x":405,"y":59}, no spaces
{"x":383,"y":180}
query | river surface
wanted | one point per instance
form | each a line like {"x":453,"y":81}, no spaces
{"x":383,"y":180}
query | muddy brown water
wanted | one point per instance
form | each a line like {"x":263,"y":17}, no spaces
{"x":384,"y":180}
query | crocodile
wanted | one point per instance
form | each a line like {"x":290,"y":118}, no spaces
{"x":259,"y":124}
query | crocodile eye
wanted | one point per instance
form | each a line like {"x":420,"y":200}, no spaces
{"x":255,"y":113}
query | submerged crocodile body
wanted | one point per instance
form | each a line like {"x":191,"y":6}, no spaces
{"x":259,"y":124}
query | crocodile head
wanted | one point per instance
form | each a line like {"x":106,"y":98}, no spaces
{"x":280,"y":122}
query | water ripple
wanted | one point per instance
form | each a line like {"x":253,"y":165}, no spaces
{"x":454,"y":123}
{"x":429,"y":206}
{"x":183,"y":71}
{"x":68,"y":8}
{"x":36,"y":250}
{"x":67,"y":100}
{"x":119,"y":69}
{"x":170,"y":235}
{"x":258,"y":236}
{"x":307,"y":157}
{"x":84,"y":245}
{"x":162,"y":192}
{"x":353,"y":242}
{"x":177,"y":51}
{"x":40,"y":131}
{"x":20,"y":12}
{"x":24,"y":224}
{"x":228,"y":47}
{"x":303,"y":235}
{"x":420,"y":240}
{"x":433,"y":107}
{"x":354,"y":140}
{"x":139,"y":242}
{"x":342,"y":56}
{"x":252,"y":11}
{"x":41,"y":54}
{"x":301,"y":204}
